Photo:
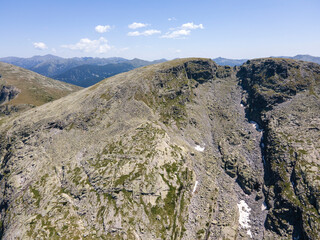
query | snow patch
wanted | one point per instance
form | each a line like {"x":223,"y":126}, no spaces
{"x":244,"y":220}
{"x":263,"y":206}
{"x":241,"y":105}
{"x":256,"y":126}
{"x":195,"y":187}
{"x":199,"y":148}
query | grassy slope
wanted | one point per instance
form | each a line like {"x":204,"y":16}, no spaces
{"x":35,"y":88}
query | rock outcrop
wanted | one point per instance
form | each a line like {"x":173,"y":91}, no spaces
{"x":283,"y":96}
{"x":185,"y":149}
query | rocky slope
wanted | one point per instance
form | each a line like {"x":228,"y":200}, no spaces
{"x":283,"y":96}
{"x":169,"y":151}
{"x":21,"y":89}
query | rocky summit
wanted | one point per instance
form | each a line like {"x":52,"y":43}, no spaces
{"x":185,"y":149}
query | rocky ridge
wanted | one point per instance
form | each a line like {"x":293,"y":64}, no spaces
{"x":185,"y":149}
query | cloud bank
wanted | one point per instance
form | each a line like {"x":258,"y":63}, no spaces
{"x":94,"y":46}
{"x":102,"y":29}
{"x":144,"y":33}
{"x":40,"y":45}
{"x":182,"y":31}
{"x":136,"y":25}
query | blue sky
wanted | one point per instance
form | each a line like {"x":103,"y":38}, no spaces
{"x":154,"y":29}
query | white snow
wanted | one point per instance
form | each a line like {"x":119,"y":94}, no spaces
{"x":263,"y":206}
{"x":256,"y":126}
{"x":195,"y":187}
{"x":244,"y":220}
{"x":241,"y":105}
{"x":199,"y":148}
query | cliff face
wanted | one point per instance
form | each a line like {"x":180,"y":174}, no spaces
{"x":169,"y":151}
{"x":283,"y":95}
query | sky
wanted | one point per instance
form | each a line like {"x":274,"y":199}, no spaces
{"x":155,"y":29}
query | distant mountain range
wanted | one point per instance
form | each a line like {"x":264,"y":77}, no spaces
{"x":84,"y":71}
{"x":230,"y":62}
{"x":88,"y":75}
{"x":50,"y":65}
{"x":238,"y":62}
{"x":87,"y":71}
{"x":306,"y":58}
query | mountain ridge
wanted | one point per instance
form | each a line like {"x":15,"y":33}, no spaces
{"x":87,"y":71}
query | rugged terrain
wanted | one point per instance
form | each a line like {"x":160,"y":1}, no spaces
{"x":185,"y":149}
{"x":21,"y":89}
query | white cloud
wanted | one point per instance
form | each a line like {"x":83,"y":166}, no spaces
{"x":144,"y":33}
{"x":177,"y":34}
{"x":191,"y":25}
{"x":86,"y":45}
{"x":182,"y":31}
{"x":134,"y":34}
{"x":172,"y":19}
{"x":102,"y":29}
{"x":54,"y":50}
{"x":136,"y":25}
{"x":40,"y":45}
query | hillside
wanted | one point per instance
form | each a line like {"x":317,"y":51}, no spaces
{"x":21,"y":89}
{"x":185,"y":149}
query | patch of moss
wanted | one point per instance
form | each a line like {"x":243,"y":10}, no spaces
{"x":43,"y":179}
{"x":76,"y":178}
{"x":106,"y":96}
{"x":100,"y":214}
{"x":302,"y":151}
{"x":121,"y":180}
{"x":70,"y":126}
{"x":36,"y":195}
{"x":2,"y":120}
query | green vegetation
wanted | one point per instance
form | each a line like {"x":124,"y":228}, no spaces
{"x":106,"y":96}
{"x":36,"y":195}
